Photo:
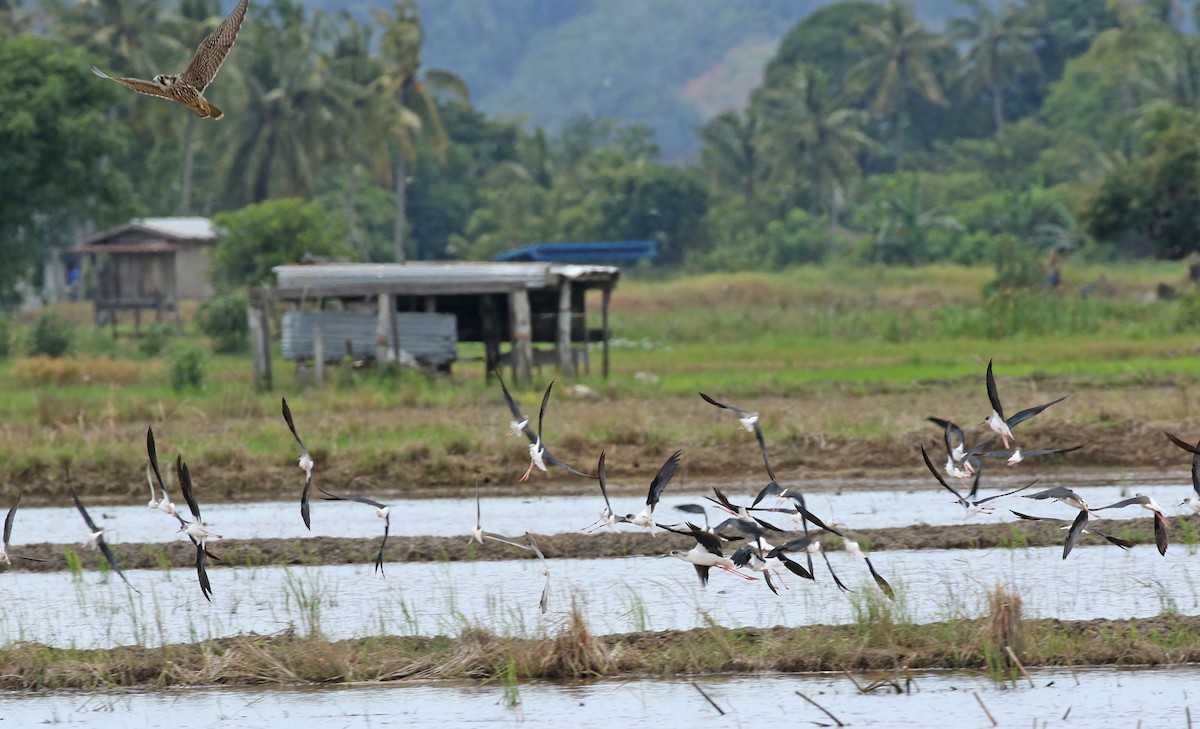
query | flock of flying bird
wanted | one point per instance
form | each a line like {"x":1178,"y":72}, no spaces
{"x":739,"y":544}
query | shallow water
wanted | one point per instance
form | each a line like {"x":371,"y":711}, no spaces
{"x":1086,"y":698}
{"x":616,"y":595}
{"x":542,"y":515}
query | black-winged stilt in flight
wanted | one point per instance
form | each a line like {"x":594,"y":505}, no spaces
{"x":1160,"y":518}
{"x":997,"y":422}
{"x":1192,"y":502}
{"x":381,"y":510}
{"x":95,"y":540}
{"x":1066,"y":524}
{"x":520,"y":424}
{"x":196,"y":529}
{"x":5,"y":555}
{"x":305,"y":463}
{"x":969,"y":503}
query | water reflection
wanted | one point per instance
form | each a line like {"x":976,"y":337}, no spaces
{"x":616,"y":595}
{"x":877,"y":508}
{"x":1086,"y":698}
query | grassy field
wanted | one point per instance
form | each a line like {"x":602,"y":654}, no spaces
{"x":845,"y":364}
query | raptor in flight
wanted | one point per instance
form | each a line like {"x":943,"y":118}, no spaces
{"x":188,"y":87}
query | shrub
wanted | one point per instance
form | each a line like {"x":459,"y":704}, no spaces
{"x":223,"y":319}
{"x":50,"y":336}
{"x":6,"y":338}
{"x":187,"y":368}
{"x":155,"y":338}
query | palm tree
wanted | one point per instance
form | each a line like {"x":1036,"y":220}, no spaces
{"x":730,"y":154}
{"x":296,"y":115}
{"x":809,"y":137}
{"x":899,"y":54}
{"x":409,"y":109}
{"x":1000,"y":47}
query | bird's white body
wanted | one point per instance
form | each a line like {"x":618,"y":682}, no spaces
{"x":196,"y":530}
{"x":4,"y":554}
{"x":516,"y":427}
{"x":1192,"y":503}
{"x":93,"y":539}
{"x":382,"y":513}
{"x":853,"y":549}
{"x":748,"y":422}
{"x":701,"y":557}
{"x":997,"y":424}
{"x":537,"y":458}
{"x":1015,"y":458}
{"x":954,"y":470}
{"x":306,"y":464}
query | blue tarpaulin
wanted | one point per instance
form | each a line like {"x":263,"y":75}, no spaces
{"x":617,"y":251}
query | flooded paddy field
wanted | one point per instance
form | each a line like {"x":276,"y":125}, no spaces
{"x":1052,"y":697}
{"x":620,"y":595}
{"x":877,"y":508}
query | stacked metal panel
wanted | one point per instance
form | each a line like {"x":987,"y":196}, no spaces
{"x":429,"y":338}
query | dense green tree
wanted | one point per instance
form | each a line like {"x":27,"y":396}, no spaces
{"x":829,"y":39}
{"x":54,"y":180}
{"x":1150,"y":204}
{"x":257,"y":237}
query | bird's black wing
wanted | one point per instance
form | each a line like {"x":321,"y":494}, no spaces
{"x":745,"y":527}
{"x":305,"y":508}
{"x":1058,"y":492}
{"x":202,"y":574}
{"x":83,"y":512}
{"x":949,"y":429}
{"x":600,"y":475}
{"x":938,"y":476}
{"x":1160,"y":533}
{"x":974,"y":486}
{"x":287,"y":416}
{"x":1077,"y":527}
{"x":762,"y":446}
{"x":152,"y":452}
{"x":1123,"y":503}
{"x":993,"y":395}
{"x":883,"y":584}
{"x":665,"y":473}
{"x":833,"y":574}
{"x":702,"y":573}
{"x":740,"y":413}
{"x":112,"y":562}
{"x":513,"y":407}
{"x":1195,"y":451}
{"x":185,"y":485}
{"x":554,"y":460}
{"x":1006,"y":493}
{"x":1122,"y":543}
{"x":8,"y":521}
{"x":771,"y":489}
{"x":359,"y":499}
{"x":1028,"y":413}
{"x":542,"y":411}
{"x":795,"y":567}
{"x":1027,"y":517}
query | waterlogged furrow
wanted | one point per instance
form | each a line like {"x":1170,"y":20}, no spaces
{"x":903,"y":505}
{"x":1156,"y":697}
{"x":615,"y":596}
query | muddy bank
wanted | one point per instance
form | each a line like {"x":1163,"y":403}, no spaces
{"x":334,"y":551}
{"x":888,"y":649}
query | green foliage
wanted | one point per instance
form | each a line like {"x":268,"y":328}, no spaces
{"x":6,"y":336}
{"x":154,"y":338}
{"x":55,"y":140}
{"x":259,"y":237}
{"x":223,"y":319}
{"x":187,"y":368}
{"x":50,"y":335}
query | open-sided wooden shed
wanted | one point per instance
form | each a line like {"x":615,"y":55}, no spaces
{"x":148,"y":263}
{"x":518,"y":304}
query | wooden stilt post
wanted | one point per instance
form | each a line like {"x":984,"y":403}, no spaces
{"x":565,"y":365}
{"x":522,"y":329}
{"x":258,"y":318}
{"x":605,"y":299}
{"x":385,"y":350}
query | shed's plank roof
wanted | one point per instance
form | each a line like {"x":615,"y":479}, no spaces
{"x":169,"y":229}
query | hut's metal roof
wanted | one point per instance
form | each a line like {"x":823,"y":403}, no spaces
{"x":168,"y":229}
{"x":460,"y":275}
{"x":613,"y":251}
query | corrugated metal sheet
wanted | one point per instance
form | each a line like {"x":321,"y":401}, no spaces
{"x":194,"y":228}
{"x":430,"y":338}
{"x":531,"y":275}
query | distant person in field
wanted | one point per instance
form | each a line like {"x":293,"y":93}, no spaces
{"x":1053,"y":271}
